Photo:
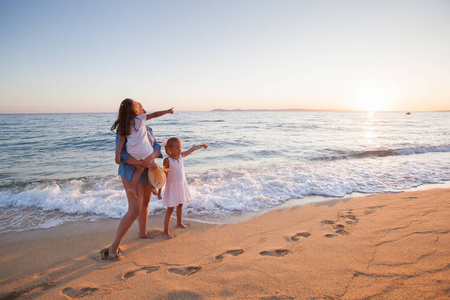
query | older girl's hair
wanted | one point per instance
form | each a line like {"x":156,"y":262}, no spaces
{"x":127,"y":112}
{"x":170,"y":142}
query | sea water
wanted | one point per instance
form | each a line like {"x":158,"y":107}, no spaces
{"x":57,"y":168}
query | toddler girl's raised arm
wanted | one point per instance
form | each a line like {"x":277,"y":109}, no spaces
{"x":186,"y":153}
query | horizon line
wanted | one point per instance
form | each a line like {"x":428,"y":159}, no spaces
{"x":240,"y":110}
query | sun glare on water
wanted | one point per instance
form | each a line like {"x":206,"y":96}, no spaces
{"x":372,"y":100}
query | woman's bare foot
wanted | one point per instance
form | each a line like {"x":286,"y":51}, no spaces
{"x":182,"y":226}
{"x":168,"y":236}
{"x":119,"y":250}
{"x":109,"y":254}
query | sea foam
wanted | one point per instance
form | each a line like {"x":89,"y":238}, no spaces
{"x":225,"y":192}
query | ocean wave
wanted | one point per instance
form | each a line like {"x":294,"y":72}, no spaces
{"x":211,"y":121}
{"x":221,"y":193}
{"x":383,"y":152}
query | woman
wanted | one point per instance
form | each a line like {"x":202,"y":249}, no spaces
{"x":137,"y":206}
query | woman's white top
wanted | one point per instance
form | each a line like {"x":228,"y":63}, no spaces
{"x":138,"y":144}
{"x":177,"y":190}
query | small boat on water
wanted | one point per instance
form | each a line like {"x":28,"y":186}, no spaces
{"x":408,"y":113}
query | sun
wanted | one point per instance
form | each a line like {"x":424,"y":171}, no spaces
{"x":372,"y":100}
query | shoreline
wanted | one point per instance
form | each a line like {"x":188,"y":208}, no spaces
{"x":383,"y":245}
{"x":233,"y":218}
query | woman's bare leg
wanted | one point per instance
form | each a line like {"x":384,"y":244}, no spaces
{"x":143,"y":216}
{"x":134,"y":209}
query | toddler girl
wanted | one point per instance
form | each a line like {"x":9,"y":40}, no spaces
{"x":130,"y":124}
{"x":176,"y":192}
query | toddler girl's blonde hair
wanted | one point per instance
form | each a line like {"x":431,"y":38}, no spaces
{"x":171,"y":142}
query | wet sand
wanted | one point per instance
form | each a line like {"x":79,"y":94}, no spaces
{"x":390,"y":246}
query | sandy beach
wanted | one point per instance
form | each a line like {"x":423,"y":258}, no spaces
{"x":390,"y":246}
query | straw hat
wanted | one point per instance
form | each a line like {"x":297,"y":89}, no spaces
{"x":157,"y":177}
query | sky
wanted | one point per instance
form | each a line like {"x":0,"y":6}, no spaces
{"x":61,"y":56}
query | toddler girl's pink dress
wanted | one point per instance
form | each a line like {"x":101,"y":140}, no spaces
{"x":177,"y":190}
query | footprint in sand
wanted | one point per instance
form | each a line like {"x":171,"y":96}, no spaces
{"x":348,"y":217}
{"x":146,"y":270}
{"x":328,"y":222}
{"x":277,"y":252}
{"x":78,"y":293}
{"x":300,"y":234}
{"x":340,"y":229}
{"x":332,"y":224}
{"x":229,"y":252}
{"x":376,"y":207}
{"x":185,"y":271}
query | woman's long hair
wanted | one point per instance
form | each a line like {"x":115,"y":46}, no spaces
{"x":127,"y":112}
